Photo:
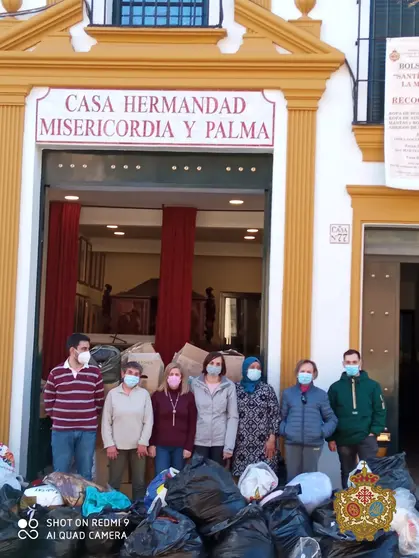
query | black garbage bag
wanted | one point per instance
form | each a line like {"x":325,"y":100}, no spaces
{"x":164,"y":533}
{"x":288,"y":520}
{"x":107,"y":532}
{"x":137,"y":512}
{"x":11,"y":546}
{"x":108,"y":359}
{"x":393,"y":472}
{"x":385,"y":546}
{"x":245,"y":536}
{"x":60,"y":533}
{"x":205,"y":492}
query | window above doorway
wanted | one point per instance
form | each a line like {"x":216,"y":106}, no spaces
{"x":378,"y":21}
{"x":156,"y":13}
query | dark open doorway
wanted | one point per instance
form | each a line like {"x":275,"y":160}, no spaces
{"x":409,"y":364}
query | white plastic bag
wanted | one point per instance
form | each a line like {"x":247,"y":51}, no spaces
{"x":44,"y":495}
{"x":306,"y":548}
{"x":316,"y":489}
{"x":11,"y":480}
{"x":257,"y":481}
{"x":406,"y":522}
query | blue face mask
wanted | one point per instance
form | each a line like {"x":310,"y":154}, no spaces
{"x":213,"y":370}
{"x":254,"y":374}
{"x":352,"y":369}
{"x":131,"y":381}
{"x":305,"y":378}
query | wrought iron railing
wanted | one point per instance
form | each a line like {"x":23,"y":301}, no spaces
{"x":378,"y":20}
{"x":155,"y":13}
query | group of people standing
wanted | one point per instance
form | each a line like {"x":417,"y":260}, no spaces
{"x":232,"y":424}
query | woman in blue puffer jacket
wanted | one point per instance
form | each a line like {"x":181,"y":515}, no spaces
{"x":307,"y":419}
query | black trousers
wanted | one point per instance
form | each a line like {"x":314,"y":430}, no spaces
{"x":365,"y":450}
{"x":215,"y":453}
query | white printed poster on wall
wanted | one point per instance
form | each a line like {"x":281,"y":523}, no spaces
{"x":401,"y":118}
{"x":156,"y":118}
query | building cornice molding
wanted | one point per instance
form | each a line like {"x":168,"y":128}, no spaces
{"x":370,"y":140}
{"x":147,"y":35}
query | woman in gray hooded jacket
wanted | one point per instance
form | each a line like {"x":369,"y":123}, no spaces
{"x":306,"y":420}
{"x":218,"y":417}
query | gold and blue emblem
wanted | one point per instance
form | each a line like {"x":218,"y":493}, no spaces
{"x":365,"y":508}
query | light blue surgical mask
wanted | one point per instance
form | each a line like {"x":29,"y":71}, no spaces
{"x":305,"y":378}
{"x":352,"y":369}
{"x":254,"y":374}
{"x":131,"y":381}
{"x":213,"y":370}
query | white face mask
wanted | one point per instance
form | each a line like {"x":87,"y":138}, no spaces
{"x":254,"y":374}
{"x":84,"y":357}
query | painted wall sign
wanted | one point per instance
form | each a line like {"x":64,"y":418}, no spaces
{"x":170,"y":118}
{"x":401,"y":139}
{"x":339,"y":234}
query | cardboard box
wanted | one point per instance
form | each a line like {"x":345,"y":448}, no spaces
{"x":234,"y":364}
{"x":191,"y":359}
{"x":153,"y":367}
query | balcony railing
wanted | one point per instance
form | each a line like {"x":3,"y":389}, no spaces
{"x":378,"y":19}
{"x":155,"y":13}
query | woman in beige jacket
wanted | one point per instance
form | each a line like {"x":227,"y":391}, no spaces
{"x":127,"y":423}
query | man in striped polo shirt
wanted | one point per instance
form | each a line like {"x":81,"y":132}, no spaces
{"x":74,"y":397}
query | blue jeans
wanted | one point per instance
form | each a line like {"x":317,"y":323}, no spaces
{"x":168,"y":456}
{"x":74,"y":444}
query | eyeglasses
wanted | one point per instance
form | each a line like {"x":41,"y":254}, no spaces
{"x":303,"y":399}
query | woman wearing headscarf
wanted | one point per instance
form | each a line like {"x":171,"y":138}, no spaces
{"x":258,"y":420}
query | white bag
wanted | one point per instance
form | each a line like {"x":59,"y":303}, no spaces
{"x":316,"y":489}
{"x":406,"y":522}
{"x":9,"y":479}
{"x":306,"y":548}
{"x":257,"y":481}
{"x":44,"y":495}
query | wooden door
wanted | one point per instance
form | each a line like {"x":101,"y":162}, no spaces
{"x":380,"y":332}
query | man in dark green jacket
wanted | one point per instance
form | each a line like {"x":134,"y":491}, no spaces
{"x":358,"y":403}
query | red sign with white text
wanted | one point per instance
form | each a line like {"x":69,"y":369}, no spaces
{"x":169,"y":118}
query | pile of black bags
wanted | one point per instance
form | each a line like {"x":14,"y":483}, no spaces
{"x":205,"y":517}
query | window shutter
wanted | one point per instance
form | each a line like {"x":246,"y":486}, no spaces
{"x":388,"y":18}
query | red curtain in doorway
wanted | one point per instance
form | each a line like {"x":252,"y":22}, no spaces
{"x":173,"y":326}
{"x":61,"y":282}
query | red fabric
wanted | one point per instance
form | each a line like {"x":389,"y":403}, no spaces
{"x":173,"y":326}
{"x":61,"y":283}
{"x":304,"y":388}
